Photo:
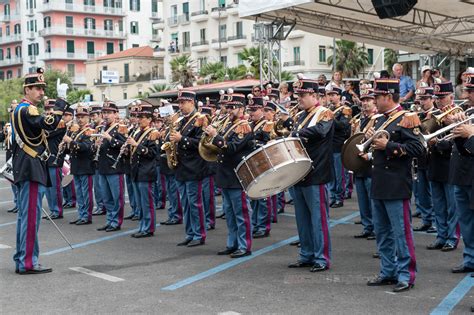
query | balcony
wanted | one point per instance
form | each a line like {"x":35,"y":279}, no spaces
{"x":63,"y":54}
{"x":159,"y":52}
{"x":184,"y":19}
{"x":10,"y":39}
{"x":219,"y":12}
{"x":155,"y":38}
{"x":155,"y":16}
{"x":185,"y":49}
{"x":237,"y":40}
{"x":199,"y":16}
{"x":11,"y":17}
{"x":30,"y":12}
{"x":219,"y":44}
{"x":77,"y":31}
{"x":57,"y":5}
{"x":79,"y":79}
{"x":296,"y":34}
{"x":158,"y":24}
{"x":295,"y":65}
{"x":32,"y":59}
{"x":31,"y":35}
{"x":173,"y":21}
{"x":233,"y":9}
{"x":11,"y":62}
{"x":200,"y":46}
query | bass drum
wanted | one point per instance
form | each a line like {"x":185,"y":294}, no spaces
{"x":67,"y":176}
{"x":350,"y":154}
{"x":273,"y":168}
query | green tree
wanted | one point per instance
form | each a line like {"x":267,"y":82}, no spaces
{"x":287,"y":76}
{"x":9,"y":90}
{"x":182,"y":71}
{"x":252,"y":57}
{"x":156,"y":88}
{"x":390,"y":58}
{"x":351,"y":59}
{"x":212,"y":70}
{"x":76,"y":96}
{"x":234,"y":73}
{"x":51,"y":77}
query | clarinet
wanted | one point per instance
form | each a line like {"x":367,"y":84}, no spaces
{"x":97,"y":152}
{"x":62,"y":145}
{"x":119,"y":156}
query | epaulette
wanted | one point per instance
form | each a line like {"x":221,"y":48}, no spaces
{"x":346,"y":111}
{"x":268,"y":127}
{"x":88,"y":132}
{"x":61,"y":124}
{"x":123,"y":129}
{"x":201,"y":121}
{"x":74,"y":128}
{"x":33,"y":110}
{"x":154,"y":135}
{"x":243,"y":127}
{"x":410,"y":120}
{"x":326,"y":115}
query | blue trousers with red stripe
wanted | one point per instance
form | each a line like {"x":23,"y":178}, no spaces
{"x":392,"y":223}
{"x":191,"y":193}
{"x":112,"y":191}
{"x":262,"y":214}
{"x":209,"y":201}
{"x":446,"y":218}
{"x":54,"y":194}
{"x":146,"y":205}
{"x":30,"y":196}
{"x":85,"y":197}
{"x":131,"y":195}
{"x":237,"y":215}
{"x":175,"y":210}
{"x":311,"y":211}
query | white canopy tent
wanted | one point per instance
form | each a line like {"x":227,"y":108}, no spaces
{"x":433,"y":26}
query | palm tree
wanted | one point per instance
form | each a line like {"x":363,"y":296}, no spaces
{"x":212,"y":70}
{"x":234,"y":73}
{"x":182,"y":71}
{"x":351,"y":59}
{"x":286,"y":76}
{"x":252,"y":56}
{"x":390,"y":57}
{"x":156,"y":88}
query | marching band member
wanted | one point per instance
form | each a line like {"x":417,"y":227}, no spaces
{"x":132,"y":129}
{"x":97,"y":124}
{"x":82,"y":166}
{"x":30,"y":172}
{"x":143,"y":146}
{"x":315,"y":127}
{"x":342,"y":131}
{"x":69,"y":191}
{"x":111,"y":179}
{"x":438,"y":174}
{"x":160,"y":184}
{"x":391,"y":160}
{"x":191,"y":170}
{"x":261,"y":208}
{"x":235,"y":142}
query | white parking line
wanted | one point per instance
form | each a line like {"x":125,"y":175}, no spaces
{"x":97,"y":274}
{"x":3,"y":246}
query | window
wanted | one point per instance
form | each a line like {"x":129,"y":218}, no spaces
{"x":239,"y":60}
{"x":31,"y":4}
{"x":6,"y":9}
{"x":135,"y":5}
{"x":135,"y":45}
{"x":88,"y":2}
{"x":47,"y":21}
{"x":239,"y":30}
{"x":202,"y":33}
{"x":221,"y":3}
{"x":322,"y":54}
{"x":186,"y":39}
{"x":36,"y":49}
{"x":2,"y":75}
{"x":120,"y":46}
{"x":1,"y":53}
{"x":71,"y":69}
{"x":120,"y":25}
{"x":174,"y":11}
{"x":18,"y":73}
{"x":110,"y":48}
{"x":18,"y":51}
{"x":370,"y":56}
{"x":89,"y":23}
{"x":134,"y":27}
{"x":69,"y":21}
{"x":17,"y":29}
{"x":202,"y":61}
{"x":70,"y":46}
{"x":9,"y":74}
{"x":222,"y":32}
{"x":7,"y":30}
{"x":202,"y":5}
{"x":154,"y":6}
{"x":108,"y":25}
{"x":296,"y":54}
{"x":126,"y":72}
{"x":224,"y":60}
{"x":186,"y":10}
{"x":125,"y":95}
{"x":48,"y":47}
{"x":90,"y":48}
{"x":9,"y":53}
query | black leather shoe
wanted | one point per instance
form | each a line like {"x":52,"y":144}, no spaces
{"x":135,"y":218}
{"x":379,"y":281}
{"x":160,"y":208}
{"x":74,"y":221}
{"x":83,"y":222}
{"x":221,"y":216}
{"x":165,"y":222}
{"x":69,"y":206}
{"x":12,"y":210}
{"x":103,"y":228}
{"x":100,"y":212}
{"x":358,"y":222}
{"x":240,"y":253}
{"x":431,"y":230}
{"x":226,"y":251}
{"x":462,"y":269}
{"x":417,"y":215}
{"x":15,"y":211}
{"x":142,"y":234}
{"x":348,"y":196}
{"x":422,"y":228}
{"x":371,"y":236}
{"x":403,"y":286}
{"x":376,"y":255}
{"x":195,"y":243}
{"x":318,"y":267}
{"x":300,"y":264}
{"x":261,"y":234}
{"x":332,"y":203}
{"x":36,"y":270}
{"x":210,"y":227}
{"x":448,"y":247}
{"x":434,"y":246}
{"x":281,"y":210}
{"x":129,"y":217}
{"x":363,"y":235}
{"x":338,"y":204}
{"x":112,"y":229}
{"x":184,"y":243}
{"x":174,"y":222}
{"x":295,"y":243}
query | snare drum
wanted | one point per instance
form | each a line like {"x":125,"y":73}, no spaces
{"x":273,"y":168}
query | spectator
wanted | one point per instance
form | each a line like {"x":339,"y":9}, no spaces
{"x":407,"y":88}
{"x":426,"y":77}
{"x":349,"y":93}
{"x":256,"y":91}
{"x":458,"y":91}
{"x":336,"y":79}
{"x":322,"y":80}
{"x":437,"y":75}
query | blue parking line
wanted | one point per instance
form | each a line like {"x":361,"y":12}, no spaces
{"x":14,"y":222}
{"x":233,"y":263}
{"x":91,"y":242}
{"x":454,"y":297}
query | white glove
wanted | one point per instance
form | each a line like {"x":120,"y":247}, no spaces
{"x":62,"y":89}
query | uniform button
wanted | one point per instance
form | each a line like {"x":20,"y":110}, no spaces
{"x":386,"y":167}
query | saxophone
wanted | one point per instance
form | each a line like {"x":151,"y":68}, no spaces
{"x":170,"y":147}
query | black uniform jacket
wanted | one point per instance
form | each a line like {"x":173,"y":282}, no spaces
{"x":191,"y":166}
{"x":29,"y":126}
{"x":461,"y":172}
{"x":392,"y":167}
{"x":109,"y":150}
{"x":143,"y":162}
{"x":318,"y":141}
{"x":81,"y":152}
{"x":342,"y":127}
{"x":54,"y":138}
{"x":236,"y":141}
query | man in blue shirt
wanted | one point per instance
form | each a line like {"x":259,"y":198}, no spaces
{"x":407,"y":88}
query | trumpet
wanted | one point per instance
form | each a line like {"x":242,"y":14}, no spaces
{"x":451,"y":111}
{"x":363,"y":147}
{"x":99,"y":143}
{"x":445,"y":133}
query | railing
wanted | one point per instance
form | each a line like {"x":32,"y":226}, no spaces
{"x":63,"y":54}
{"x":77,"y":7}
{"x":173,"y":21}
{"x":10,"y":39}
{"x":12,"y":61}
{"x":184,"y":19}
{"x":200,"y":43}
{"x":236,"y":37}
{"x":202,"y":12}
{"x":218,"y":9}
{"x":293,"y":63}
{"x":63,"y":30}
{"x":217,"y":40}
